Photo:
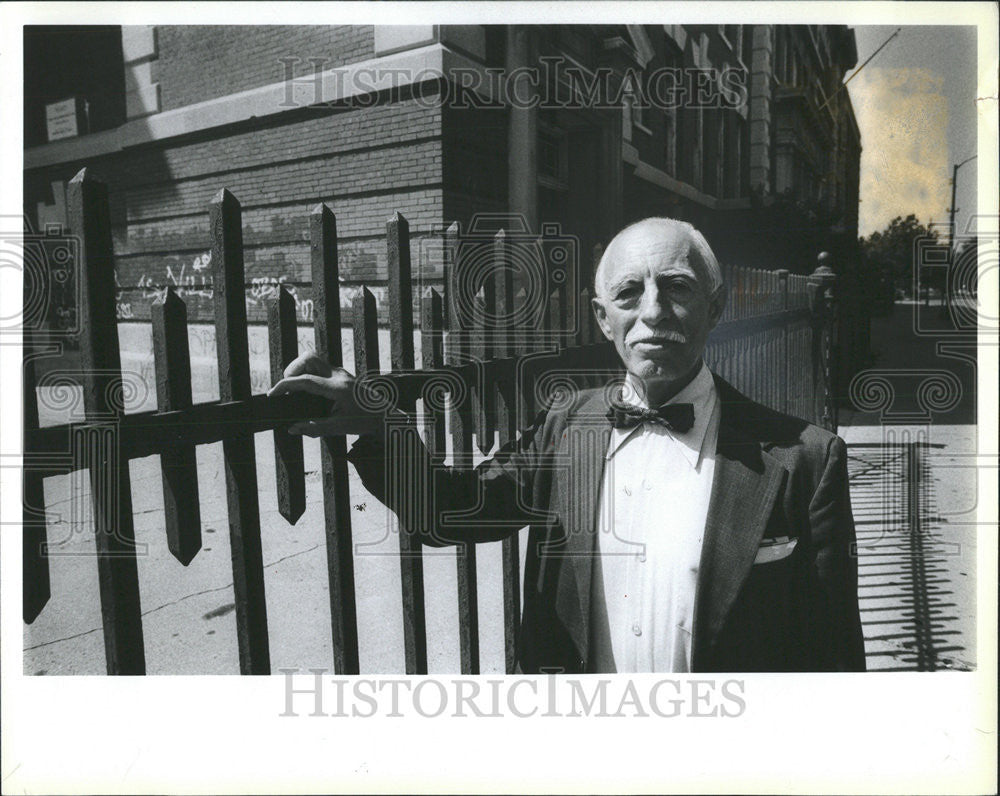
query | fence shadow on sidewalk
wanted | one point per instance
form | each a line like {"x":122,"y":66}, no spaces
{"x":909,"y":605}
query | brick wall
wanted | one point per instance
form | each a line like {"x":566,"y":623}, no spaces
{"x":198,"y":63}
{"x":366,"y":163}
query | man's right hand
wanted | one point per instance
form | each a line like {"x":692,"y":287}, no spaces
{"x":311,"y":373}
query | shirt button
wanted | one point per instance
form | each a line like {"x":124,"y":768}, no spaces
{"x":636,"y":629}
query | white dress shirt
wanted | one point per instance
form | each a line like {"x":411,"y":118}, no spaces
{"x":651,"y":521}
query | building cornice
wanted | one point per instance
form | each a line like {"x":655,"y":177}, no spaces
{"x":406,"y":68}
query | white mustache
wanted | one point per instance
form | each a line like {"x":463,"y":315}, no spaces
{"x":668,"y":337}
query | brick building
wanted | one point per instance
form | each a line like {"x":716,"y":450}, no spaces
{"x":740,"y":129}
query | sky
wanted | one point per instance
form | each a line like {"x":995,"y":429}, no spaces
{"x":916,"y":108}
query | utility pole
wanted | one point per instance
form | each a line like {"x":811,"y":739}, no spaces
{"x":951,"y":233}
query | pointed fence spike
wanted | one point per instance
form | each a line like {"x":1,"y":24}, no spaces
{"x":178,"y":465}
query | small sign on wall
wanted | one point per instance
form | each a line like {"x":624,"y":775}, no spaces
{"x":65,"y":119}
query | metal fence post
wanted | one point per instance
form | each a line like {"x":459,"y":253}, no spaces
{"x":36,"y":581}
{"x":325,"y":271}
{"x":239,"y":452}
{"x":103,"y":399}
{"x":785,"y":354}
{"x":822,"y":284}
{"x":402,"y":361}
{"x":179,"y":466}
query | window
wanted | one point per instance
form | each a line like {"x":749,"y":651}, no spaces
{"x":627,"y":118}
{"x":746,"y":45}
{"x":670,"y":141}
{"x":72,"y":65}
{"x":632,"y":109}
{"x":552,"y":158}
{"x":691,"y":124}
{"x":743,"y":155}
{"x":733,"y":167}
{"x":574,"y":40}
{"x":682,"y":145}
{"x":711,"y":129}
{"x":780,"y":56}
{"x":732,"y":34}
{"x":671,"y":115}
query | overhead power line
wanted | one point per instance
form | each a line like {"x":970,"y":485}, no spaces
{"x":867,"y":61}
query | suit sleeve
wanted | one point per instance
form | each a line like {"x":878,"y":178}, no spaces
{"x":837,"y":563}
{"x":450,"y":505}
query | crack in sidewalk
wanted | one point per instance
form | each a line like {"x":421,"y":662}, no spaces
{"x":167,"y":605}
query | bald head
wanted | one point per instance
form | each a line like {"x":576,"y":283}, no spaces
{"x":658,"y":296}
{"x":671,"y":238}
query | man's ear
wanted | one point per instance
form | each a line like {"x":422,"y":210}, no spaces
{"x":602,"y":316}
{"x":716,"y":305}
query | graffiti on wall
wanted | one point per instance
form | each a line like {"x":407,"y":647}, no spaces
{"x":193,"y":281}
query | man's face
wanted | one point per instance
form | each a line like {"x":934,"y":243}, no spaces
{"x":655,"y":306}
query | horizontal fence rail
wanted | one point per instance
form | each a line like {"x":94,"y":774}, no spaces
{"x":496,"y":336}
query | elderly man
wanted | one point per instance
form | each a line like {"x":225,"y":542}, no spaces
{"x":675,"y":525}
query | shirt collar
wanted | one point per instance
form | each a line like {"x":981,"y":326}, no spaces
{"x":700,"y":393}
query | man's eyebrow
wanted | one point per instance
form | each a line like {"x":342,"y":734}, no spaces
{"x":623,"y":281}
{"x":626,"y":278}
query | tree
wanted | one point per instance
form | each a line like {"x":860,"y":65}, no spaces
{"x":892,"y":252}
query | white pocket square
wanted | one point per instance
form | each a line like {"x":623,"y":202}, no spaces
{"x":775,"y":549}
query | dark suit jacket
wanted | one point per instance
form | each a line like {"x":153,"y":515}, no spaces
{"x":775,"y":476}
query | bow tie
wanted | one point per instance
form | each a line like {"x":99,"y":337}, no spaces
{"x":676,"y":417}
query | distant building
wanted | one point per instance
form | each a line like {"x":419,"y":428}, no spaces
{"x":742,"y":129}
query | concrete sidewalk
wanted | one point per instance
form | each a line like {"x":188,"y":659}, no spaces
{"x":913,"y":492}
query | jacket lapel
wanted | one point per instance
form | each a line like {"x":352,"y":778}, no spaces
{"x":580,"y":468}
{"x":746,"y":484}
